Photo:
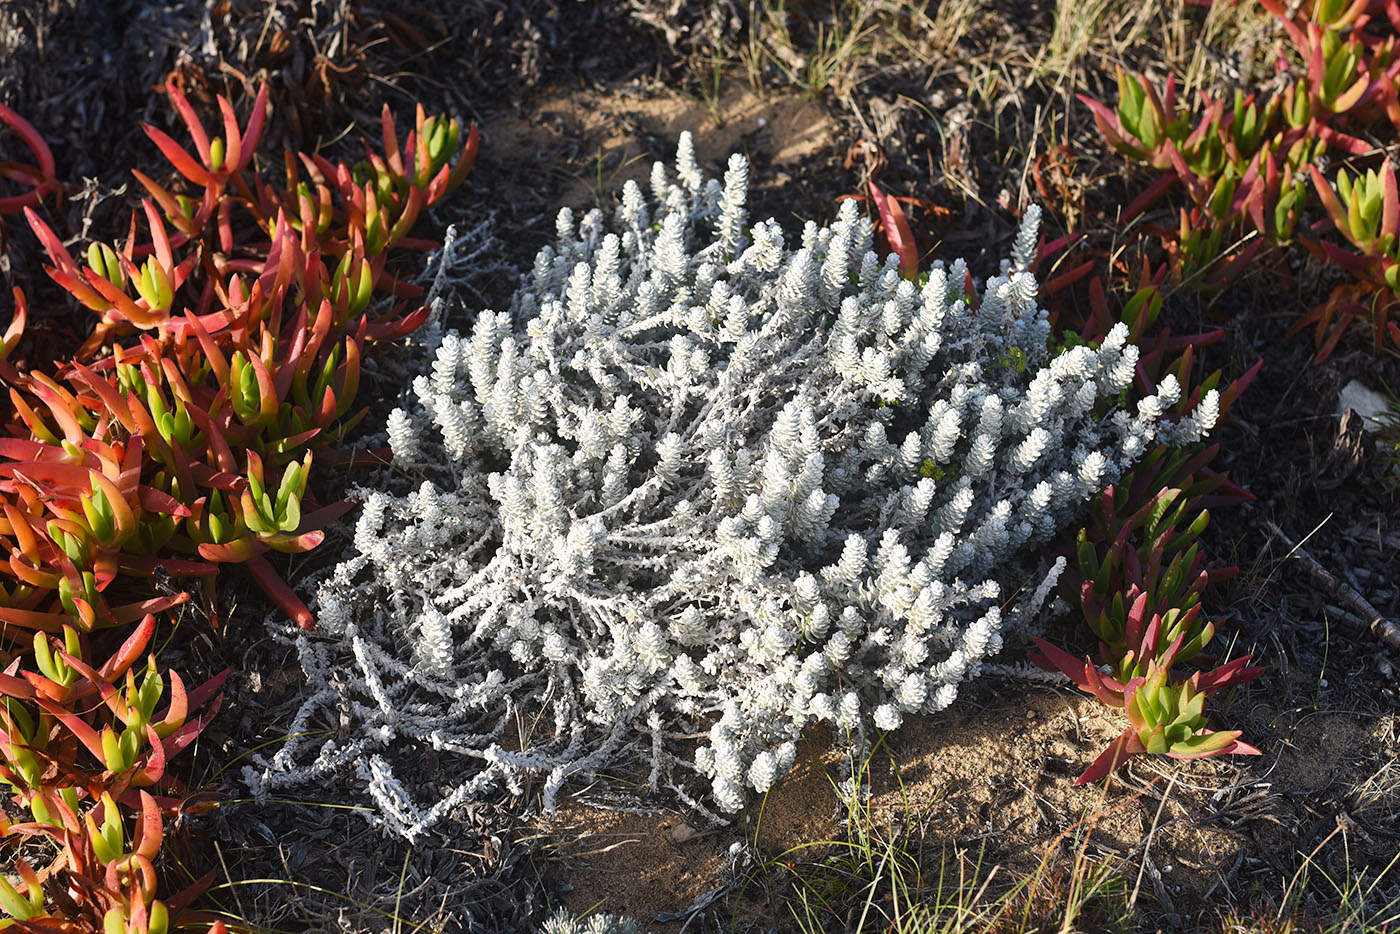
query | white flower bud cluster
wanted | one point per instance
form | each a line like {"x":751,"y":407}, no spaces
{"x":697,"y":483}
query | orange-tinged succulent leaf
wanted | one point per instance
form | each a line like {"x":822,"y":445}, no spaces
{"x":149,"y":833}
{"x":155,"y":760}
{"x":159,"y":241}
{"x":170,"y":204}
{"x":183,"y":162}
{"x":29,"y":906}
{"x":295,"y":544}
{"x":16,"y":327}
{"x":244,"y":548}
{"x":465,"y":161}
{"x":176,"y":712}
{"x":31,"y":619}
{"x":207,"y":691}
{"x":19,"y":688}
{"x":122,"y":515}
{"x":229,"y":153}
{"x":133,"y":871}
{"x":130,"y":651}
{"x":22,"y":530}
{"x":1079,"y":670}
{"x":417,"y":199}
{"x":137,"y":313}
{"x":80,"y":729}
{"x":392,"y":155}
{"x":153,"y":500}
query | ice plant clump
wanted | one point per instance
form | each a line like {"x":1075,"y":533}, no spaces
{"x":697,"y":482}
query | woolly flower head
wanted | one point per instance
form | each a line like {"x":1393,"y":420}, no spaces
{"x":702,"y":480}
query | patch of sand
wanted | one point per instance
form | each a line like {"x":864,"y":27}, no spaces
{"x":593,"y":141}
{"x":995,"y":771}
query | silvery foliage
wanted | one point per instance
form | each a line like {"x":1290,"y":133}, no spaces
{"x":562,"y":922}
{"x":696,"y":481}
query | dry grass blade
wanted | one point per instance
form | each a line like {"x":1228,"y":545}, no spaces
{"x":832,"y":57}
{"x":1110,"y":26}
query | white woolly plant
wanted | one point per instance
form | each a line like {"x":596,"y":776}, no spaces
{"x":562,"y":922}
{"x":695,"y":481}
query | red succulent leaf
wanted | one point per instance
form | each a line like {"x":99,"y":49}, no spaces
{"x":252,"y":131}
{"x":212,"y":352}
{"x":232,"y":137}
{"x":396,"y":287}
{"x":1339,"y":140}
{"x":1104,"y":687}
{"x":1134,"y":622}
{"x":160,"y":243}
{"x":146,"y":565}
{"x":275,"y":587}
{"x":141,"y":887}
{"x":43,"y":179}
{"x":190,"y":119}
{"x":31,"y":619}
{"x":1228,"y":675}
{"x":1068,"y":278}
{"x":182,"y":899}
{"x":153,"y":500}
{"x":148,"y":835}
{"x":52,"y":244}
{"x":1053,"y":658}
{"x":295,"y":544}
{"x":153,"y":769}
{"x":1106,"y":120}
{"x":897,"y":231}
{"x":206,"y":691}
{"x":391,"y":142}
{"x":1194,"y":186}
{"x":18,"y":688}
{"x":417,"y":199}
{"x":178,"y":741}
{"x":1118,"y":752}
{"x":135,"y":312}
{"x":187,"y":226}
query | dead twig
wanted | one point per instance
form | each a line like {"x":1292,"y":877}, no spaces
{"x":1382,"y":628}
